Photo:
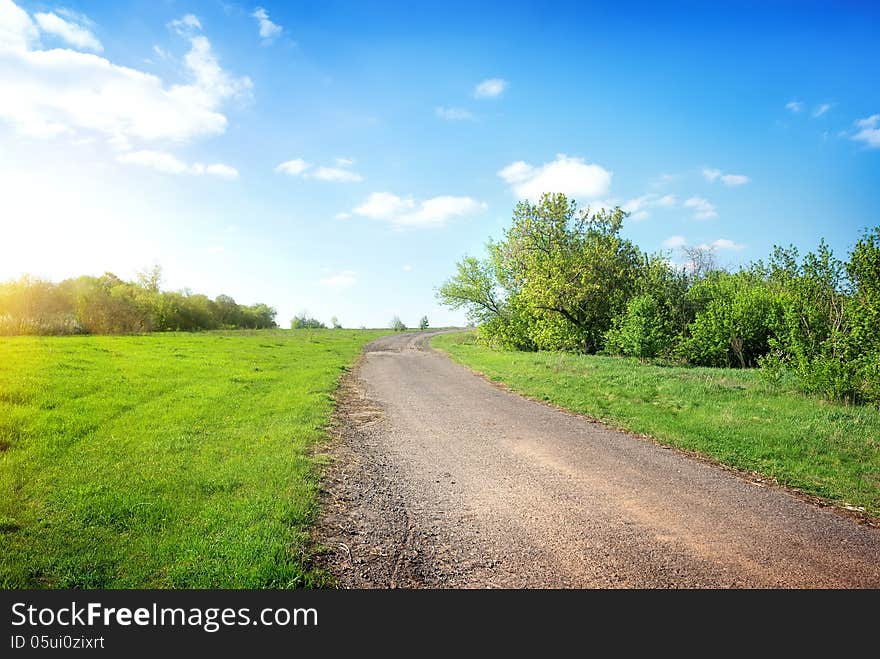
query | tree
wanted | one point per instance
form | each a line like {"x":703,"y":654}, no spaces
{"x":474,"y":288}
{"x":397,"y":324}
{"x":304,"y":321}
{"x":334,"y":323}
{"x":570,"y":265}
{"x":423,"y":323}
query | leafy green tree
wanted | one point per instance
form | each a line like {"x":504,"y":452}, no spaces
{"x":737,"y":317}
{"x":642,"y":331}
{"x":570,"y":264}
{"x":334,"y":322}
{"x":397,"y":324}
{"x":423,"y":323}
{"x":304,"y":321}
{"x":474,"y":288}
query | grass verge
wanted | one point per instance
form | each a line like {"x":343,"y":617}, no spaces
{"x":732,"y":416}
{"x":164,"y":460}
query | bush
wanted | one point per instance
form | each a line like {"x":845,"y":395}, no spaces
{"x":641,"y":332}
{"x":304,"y":321}
{"x":736,"y":319}
{"x":397,"y":324}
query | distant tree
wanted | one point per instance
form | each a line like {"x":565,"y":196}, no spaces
{"x":423,"y":323}
{"x":700,"y":261}
{"x":304,"y":321}
{"x":397,"y":324}
{"x":334,"y":322}
{"x":150,"y":278}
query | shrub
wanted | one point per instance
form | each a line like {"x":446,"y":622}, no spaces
{"x":304,"y":321}
{"x":640,"y":332}
{"x":736,"y":320}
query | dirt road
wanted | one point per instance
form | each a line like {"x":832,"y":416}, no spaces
{"x":440,"y":479}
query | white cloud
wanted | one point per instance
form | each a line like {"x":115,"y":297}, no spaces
{"x":17,"y":30}
{"x":711,"y":174}
{"x":335,"y":174}
{"x":638,"y":206}
{"x":491,"y":88}
{"x":730,"y":180}
{"x":675,"y":242}
{"x":794,"y":106}
{"x":703,"y":209}
{"x":406,"y":212}
{"x":300,"y":167}
{"x":47,"y":93}
{"x":339,"y":281}
{"x":407,"y":268}
{"x":345,"y":162}
{"x":570,"y":176}
{"x":167,"y":163}
{"x":222,"y":171}
{"x":185,"y":24}
{"x":343,"y":216}
{"x":73,"y":32}
{"x":733,"y":180}
{"x":268,"y":30}
{"x":293,"y":167}
{"x":869,"y":131}
{"x":724,"y":243}
{"x":453,"y":114}
{"x":822,"y":109}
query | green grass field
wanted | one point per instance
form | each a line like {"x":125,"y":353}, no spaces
{"x":730,"y":415}
{"x":164,"y":460}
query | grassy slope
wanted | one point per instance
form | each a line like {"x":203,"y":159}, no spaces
{"x":164,"y":460}
{"x":730,"y":415}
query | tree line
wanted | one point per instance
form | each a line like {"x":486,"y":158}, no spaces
{"x":109,"y":305}
{"x":565,"y":279}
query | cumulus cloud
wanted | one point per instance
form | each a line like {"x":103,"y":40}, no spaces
{"x":76,"y":31}
{"x":335,"y":174}
{"x":675,"y":242}
{"x":17,"y":31}
{"x":638,"y":207}
{"x":730,"y":180}
{"x":491,"y":88}
{"x":724,"y":243}
{"x":453,"y":114}
{"x":869,"y":131}
{"x":407,"y":212}
{"x":703,"y":209}
{"x":300,"y":167}
{"x":341,"y":280}
{"x":269,"y":31}
{"x":168,"y":163}
{"x":293,"y":167}
{"x":570,"y":176}
{"x":47,"y":93}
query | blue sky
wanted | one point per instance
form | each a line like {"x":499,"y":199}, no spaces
{"x":341,"y":157}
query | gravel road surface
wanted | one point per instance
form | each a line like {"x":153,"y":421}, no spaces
{"x":440,"y":479}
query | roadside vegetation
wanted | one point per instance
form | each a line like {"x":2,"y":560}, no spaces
{"x":164,"y":460}
{"x":109,"y":305}
{"x":732,"y":415}
{"x":566,"y":280}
